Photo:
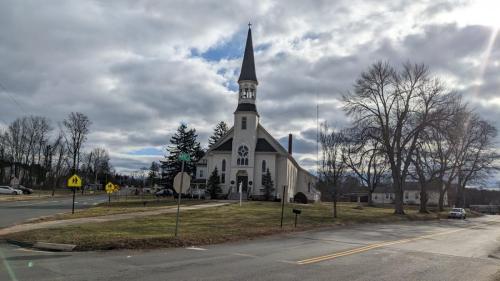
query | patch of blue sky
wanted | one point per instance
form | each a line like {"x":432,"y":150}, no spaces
{"x":153,"y":151}
{"x":228,"y":49}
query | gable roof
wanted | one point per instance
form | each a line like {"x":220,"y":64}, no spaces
{"x":264,"y":146}
{"x":222,"y":140}
{"x":225,"y":146}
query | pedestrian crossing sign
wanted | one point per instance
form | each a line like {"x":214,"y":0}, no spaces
{"x":75,"y":181}
{"x":110,"y":188}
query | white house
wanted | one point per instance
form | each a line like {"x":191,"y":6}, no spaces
{"x":384,"y":194}
{"x":245,"y":153}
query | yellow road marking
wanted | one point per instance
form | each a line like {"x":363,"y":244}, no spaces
{"x":373,"y":246}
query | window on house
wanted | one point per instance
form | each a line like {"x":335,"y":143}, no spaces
{"x":242,"y":156}
{"x":406,"y":195}
{"x":387,"y":196}
{"x":223,"y":165}
{"x":243,"y":123}
{"x":263,"y":166}
{"x":201,"y":173}
{"x":223,"y":178}
{"x":416,"y":195}
{"x":309,"y":187}
{"x":375,"y":196}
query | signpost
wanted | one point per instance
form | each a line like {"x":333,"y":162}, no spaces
{"x":296,"y":212}
{"x":74,"y":182}
{"x":183,"y":157}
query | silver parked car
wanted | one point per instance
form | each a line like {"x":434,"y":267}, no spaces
{"x":458,"y":213}
{"x":9,"y":190}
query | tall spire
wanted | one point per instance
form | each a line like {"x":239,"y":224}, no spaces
{"x":248,"y":66}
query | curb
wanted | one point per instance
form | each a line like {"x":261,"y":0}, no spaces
{"x":52,"y":247}
{"x":495,"y":256}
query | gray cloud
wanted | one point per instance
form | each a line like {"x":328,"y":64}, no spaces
{"x":130,"y":66}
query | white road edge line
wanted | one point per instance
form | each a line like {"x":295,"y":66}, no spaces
{"x":196,"y":248}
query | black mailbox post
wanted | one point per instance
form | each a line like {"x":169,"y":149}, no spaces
{"x":296,"y":212}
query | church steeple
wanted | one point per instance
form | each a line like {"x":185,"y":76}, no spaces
{"x":248,"y":79}
{"x":248,"y":65}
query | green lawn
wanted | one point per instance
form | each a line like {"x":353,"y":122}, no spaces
{"x":212,"y":225}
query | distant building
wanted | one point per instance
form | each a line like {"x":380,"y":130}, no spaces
{"x":384,"y":194}
{"x":247,"y":151}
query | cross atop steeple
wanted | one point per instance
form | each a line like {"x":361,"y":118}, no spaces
{"x":249,"y":25}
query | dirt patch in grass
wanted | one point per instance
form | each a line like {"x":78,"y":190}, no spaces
{"x":209,"y":226}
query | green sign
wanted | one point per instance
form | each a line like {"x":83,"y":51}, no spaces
{"x":184,"y":157}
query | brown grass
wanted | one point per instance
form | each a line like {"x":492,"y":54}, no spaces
{"x":213,"y":225}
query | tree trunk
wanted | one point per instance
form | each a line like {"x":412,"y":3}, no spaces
{"x":398,"y":200}
{"x":423,"y":201}
{"x":441,"y":200}
{"x":370,"y":201}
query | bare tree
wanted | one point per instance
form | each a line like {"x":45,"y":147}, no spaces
{"x":475,"y":151}
{"x":393,"y":107}
{"x":366,"y":160}
{"x":77,"y":128}
{"x":333,"y":165}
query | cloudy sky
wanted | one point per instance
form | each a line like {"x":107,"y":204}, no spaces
{"x":140,"y":68}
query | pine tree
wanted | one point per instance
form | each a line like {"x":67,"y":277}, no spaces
{"x":213,"y":185}
{"x":219,"y":131}
{"x":153,"y":172}
{"x":184,"y":141}
{"x":268,"y":184}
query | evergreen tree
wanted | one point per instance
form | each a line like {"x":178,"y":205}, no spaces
{"x":154,"y":169}
{"x":183,"y":141}
{"x":213,"y":185}
{"x":268,"y":184}
{"x":219,"y":131}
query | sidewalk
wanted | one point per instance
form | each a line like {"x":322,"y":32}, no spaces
{"x":68,"y":222}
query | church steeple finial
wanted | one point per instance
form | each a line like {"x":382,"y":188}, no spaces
{"x":248,"y":65}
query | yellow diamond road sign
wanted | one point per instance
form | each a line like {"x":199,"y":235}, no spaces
{"x":75,"y":181}
{"x":110,"y":187}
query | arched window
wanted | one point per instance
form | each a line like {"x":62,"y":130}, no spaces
{"x":223,"y":172}
{"x":242,"y":156}
{"x":263,"y":166}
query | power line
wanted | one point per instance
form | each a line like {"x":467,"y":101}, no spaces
{"x":12,"y":98}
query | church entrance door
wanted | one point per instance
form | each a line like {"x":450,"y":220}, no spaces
{"x":244,"y":180}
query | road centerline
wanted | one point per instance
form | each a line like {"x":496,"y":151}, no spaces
{"x":374,"y":246}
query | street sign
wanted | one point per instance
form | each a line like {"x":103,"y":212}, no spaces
{"x":110,"y":188}
{"x":186,"y":181}
{"x":184,"y":157}
{"x":75,"y":181}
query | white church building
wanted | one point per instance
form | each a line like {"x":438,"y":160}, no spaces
{"x":245,"y":153}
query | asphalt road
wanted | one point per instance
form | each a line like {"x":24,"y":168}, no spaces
{"x":446,"y":250}
{"x":19,"y":211}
